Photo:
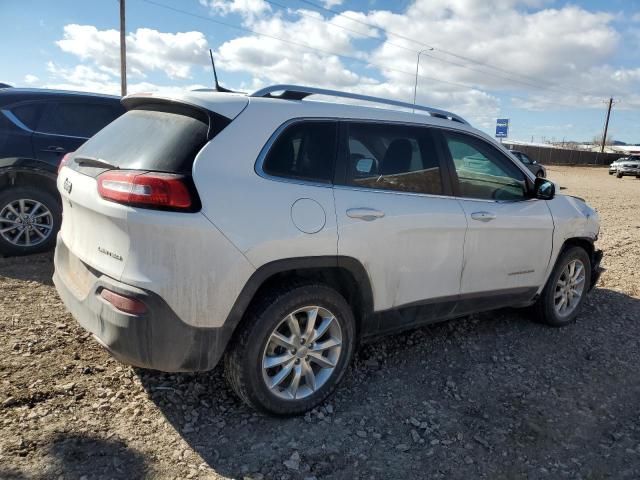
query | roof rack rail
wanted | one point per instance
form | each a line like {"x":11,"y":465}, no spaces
{"x":297,"y":92}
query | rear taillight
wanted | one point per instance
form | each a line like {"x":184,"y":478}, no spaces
{"x":64,"y":161}
{"x":145,"y":189}
{"x":123,"y":303}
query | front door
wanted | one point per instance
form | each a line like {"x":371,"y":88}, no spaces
{"x":509,"y":237}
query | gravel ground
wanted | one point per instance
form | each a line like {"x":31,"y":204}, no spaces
{"x":491,"y":396}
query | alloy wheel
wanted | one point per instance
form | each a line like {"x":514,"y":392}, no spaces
{"x":301,"y":353}
{"x":569,"y":288}
{"x":25,"y":222}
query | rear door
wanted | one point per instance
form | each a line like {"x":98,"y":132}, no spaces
{"x":396,"y":216}
{"x":509,"y":239}
{"x":65,"y":125}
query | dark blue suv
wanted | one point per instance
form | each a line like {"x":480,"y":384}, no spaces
{"x":37,"y":128}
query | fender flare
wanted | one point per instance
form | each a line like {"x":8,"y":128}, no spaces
{"x":266,"y":271}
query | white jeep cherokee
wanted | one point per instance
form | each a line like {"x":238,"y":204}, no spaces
{"x":278,"y":232}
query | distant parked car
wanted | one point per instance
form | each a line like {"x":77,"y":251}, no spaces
{"x":628,"y":167}
{"x":613,"y":168}
{"x":37,"y":127}
{"x":537,"y":169}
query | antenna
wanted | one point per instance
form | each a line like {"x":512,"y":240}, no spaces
{"x":217,"y":86}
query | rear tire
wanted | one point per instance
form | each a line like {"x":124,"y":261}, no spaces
{"x":35,"y":216}
{"x":562,"y":283}
{"x":265,"y":338}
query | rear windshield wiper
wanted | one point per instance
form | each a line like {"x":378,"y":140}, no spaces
{"x":94,"y":162}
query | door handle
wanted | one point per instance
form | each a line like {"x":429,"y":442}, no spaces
{"x":483,"y":216}
{"x":53,"y":148}
{"x":367,"y":214}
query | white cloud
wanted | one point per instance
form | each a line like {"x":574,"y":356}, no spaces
{"x":29,"y":78}
{"x":147,"y":50}
{"x":548,"y":55}
{"x":331,"y":3}
{"x":91,"y":79}
{"x":245,"y":7}
{"x":543,"y":56}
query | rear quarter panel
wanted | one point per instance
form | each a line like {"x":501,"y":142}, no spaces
{"x":252,"y":211}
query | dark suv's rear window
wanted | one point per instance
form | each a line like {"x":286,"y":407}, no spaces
{"x":164,"y":138}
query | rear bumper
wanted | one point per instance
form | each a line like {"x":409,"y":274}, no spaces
{"x":596,"y":268}
{"x":157,"y":339}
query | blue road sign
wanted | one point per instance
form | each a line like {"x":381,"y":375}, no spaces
{"x":502,"y":128}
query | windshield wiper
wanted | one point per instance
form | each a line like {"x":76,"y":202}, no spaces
{"x":94,"y":162}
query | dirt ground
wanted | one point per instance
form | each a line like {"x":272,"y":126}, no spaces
{"x":491,"y":396}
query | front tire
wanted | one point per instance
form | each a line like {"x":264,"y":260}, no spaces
{"x":619,"y":175}
{"x":562,"y":298}
{"x":292,"y":349}
{"x":29,"y":220}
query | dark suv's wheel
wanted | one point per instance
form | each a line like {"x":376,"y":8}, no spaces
{"x":292,"y":349}
{"x":29,"y":220}
{"x":566,"y":288}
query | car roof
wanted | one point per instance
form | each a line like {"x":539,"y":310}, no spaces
{"x":12,"y":95}
{"x":231,"y":104}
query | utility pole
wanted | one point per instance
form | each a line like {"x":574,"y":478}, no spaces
{"x":123,"y":51}
{"x":606,"y":125}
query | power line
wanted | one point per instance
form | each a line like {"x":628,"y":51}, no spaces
{"x":302,"y":45}
{"x":327,"y":52}
{"x":447,"y":52}
{"x":412,"y":50}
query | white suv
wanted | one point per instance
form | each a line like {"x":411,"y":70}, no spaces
{"x":278,"y":232}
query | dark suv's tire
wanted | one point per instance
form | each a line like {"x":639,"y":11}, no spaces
{"x":292,"y":349}
{"x":29,"y":220}
{"x":566,"y":289}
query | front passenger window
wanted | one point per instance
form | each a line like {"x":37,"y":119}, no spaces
{"x":482,"y":171}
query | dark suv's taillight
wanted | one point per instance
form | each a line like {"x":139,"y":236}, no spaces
{"x":147,"y":189}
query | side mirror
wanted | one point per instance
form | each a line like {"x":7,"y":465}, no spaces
{"x":544,"y":189}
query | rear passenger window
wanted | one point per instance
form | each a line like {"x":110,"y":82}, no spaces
{"x":392,"y":157}
{"x":305,"y":150}
{"x":28,"y":114}
{"x":76,"y":119}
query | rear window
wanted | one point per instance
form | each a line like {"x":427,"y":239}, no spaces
{"x":164,"y":138}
